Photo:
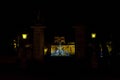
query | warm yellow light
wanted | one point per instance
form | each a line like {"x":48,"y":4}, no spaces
{"x":27,"y":45}
{"x":71,"y":43}
{"x":24,"y":36}
{"x":15,"y":45}
{"x":93,"y":35}
{"x":45,"y":51}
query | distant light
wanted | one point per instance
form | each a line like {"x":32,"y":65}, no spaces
{"x":24,"y":36}
{"x":28,"y":45}
{"x":45,"y":50}
{"x":15,"y":45}
{"x":71,"y":43}
{"x":93,"y":35}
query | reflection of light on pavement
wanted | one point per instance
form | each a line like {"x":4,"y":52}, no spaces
{"x":15,"y":45}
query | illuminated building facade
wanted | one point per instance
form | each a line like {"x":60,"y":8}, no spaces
{"x":41,"y":48}
{"x":78,"y":41}
{"x":44,"y":44}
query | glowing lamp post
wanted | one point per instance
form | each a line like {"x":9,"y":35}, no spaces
{"x":45,"y":50}
{"x":24,"y":36}
{"x":93,"y":35}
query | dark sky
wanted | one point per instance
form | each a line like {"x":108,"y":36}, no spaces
{"x":98,"y":17}
{"x":25,"y":15}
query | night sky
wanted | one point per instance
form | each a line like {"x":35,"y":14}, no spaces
{"x":19,"y":17}
{"x":97,"y":18}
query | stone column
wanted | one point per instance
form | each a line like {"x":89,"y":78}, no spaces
{"x":38,"y":42}
{"x":80,"y":41}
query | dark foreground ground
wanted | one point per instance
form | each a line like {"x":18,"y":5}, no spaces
{"x":56,"y":70}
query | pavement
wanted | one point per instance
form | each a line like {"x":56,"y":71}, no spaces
{"x":52,"y":71}
{"x":57,"y":70}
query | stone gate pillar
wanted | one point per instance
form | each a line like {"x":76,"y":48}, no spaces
{"x":80,"y":42}
{"x":38,"y":42}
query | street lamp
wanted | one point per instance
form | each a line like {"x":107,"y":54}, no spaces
{"x":45,"y":50}
{"x":24,"y":36}
{"x":93,"y":35}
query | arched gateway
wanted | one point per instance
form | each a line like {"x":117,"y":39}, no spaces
{"x":65,"y":47}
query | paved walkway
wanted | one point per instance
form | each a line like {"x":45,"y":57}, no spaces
{"x":12,"y":70}
{"x":53,"y":71}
